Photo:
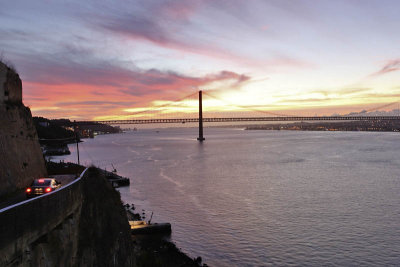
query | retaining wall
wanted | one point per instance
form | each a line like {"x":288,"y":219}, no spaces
{"x":29,"y":221}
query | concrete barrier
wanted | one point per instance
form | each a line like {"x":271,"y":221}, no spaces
{"x":28,"y":221}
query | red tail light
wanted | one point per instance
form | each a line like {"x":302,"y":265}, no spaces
{"x":48,"y":189}
{"x":28,"y":190}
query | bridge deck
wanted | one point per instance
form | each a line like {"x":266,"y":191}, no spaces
{"x":299,"y":118}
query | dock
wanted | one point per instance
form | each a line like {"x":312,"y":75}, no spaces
{"x":142,"y":227}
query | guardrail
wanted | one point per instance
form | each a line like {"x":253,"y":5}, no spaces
{"x":23,"y":223}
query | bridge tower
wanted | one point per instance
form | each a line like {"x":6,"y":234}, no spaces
{"x":200,"y":138}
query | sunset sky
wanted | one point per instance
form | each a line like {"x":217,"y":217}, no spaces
{"x":110,"y":59}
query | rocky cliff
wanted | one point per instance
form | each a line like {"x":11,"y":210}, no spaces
{"x":104,"y":232}
{"x":21,"y":158}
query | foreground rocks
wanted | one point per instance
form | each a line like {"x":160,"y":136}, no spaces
{"x":156,"y":249}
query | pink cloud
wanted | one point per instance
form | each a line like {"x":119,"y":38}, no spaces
{"x":86,"y":91}
{"x":392,"y":65}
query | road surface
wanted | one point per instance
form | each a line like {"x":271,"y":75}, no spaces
{"x":64,"y":179}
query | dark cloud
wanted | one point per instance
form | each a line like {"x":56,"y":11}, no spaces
{"x":155,"y":21}
{"x":155,"y":77}
{"x":154,"y":81}
{"x":59,"y":71}
{"x":169,"y":24}
{"x":134,"y":26}
{"x":226,"y":75}
{"x":15,"y":35}
{"x":139,"y":90}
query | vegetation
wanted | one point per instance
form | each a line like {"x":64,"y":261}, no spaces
{"x":54,"y":168}
{"x":63,"y":129}
{"x":7,"y":63}
{"x":52,"y":129}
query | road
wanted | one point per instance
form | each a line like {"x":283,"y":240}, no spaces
{"x":19,"y":196}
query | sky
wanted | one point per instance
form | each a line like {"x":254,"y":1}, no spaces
{"x":111,"y":59}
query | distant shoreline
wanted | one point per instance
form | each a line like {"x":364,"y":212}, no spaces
{"x":306,"y":130}
{"x":353,"y":126}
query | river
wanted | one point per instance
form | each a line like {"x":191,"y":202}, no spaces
{"x":261,"y":198}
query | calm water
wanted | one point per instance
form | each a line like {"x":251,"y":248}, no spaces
{"x":260,"y":198}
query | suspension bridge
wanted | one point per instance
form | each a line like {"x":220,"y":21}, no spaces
{"x":148,"y":116}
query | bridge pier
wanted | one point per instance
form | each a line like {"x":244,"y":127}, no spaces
{"x":201,"y":137}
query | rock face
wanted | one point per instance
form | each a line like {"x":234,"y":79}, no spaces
{"x":21,"y":158}
{"x":104,"y":232}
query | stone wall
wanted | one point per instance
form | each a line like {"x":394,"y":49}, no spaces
{"x":26,"y":225}
{"x":21,"y":158}
{"x":3,"y":77}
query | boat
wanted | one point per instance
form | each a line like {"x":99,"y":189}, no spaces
{"x":115,"y":179}
{"x":143,"y":227}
